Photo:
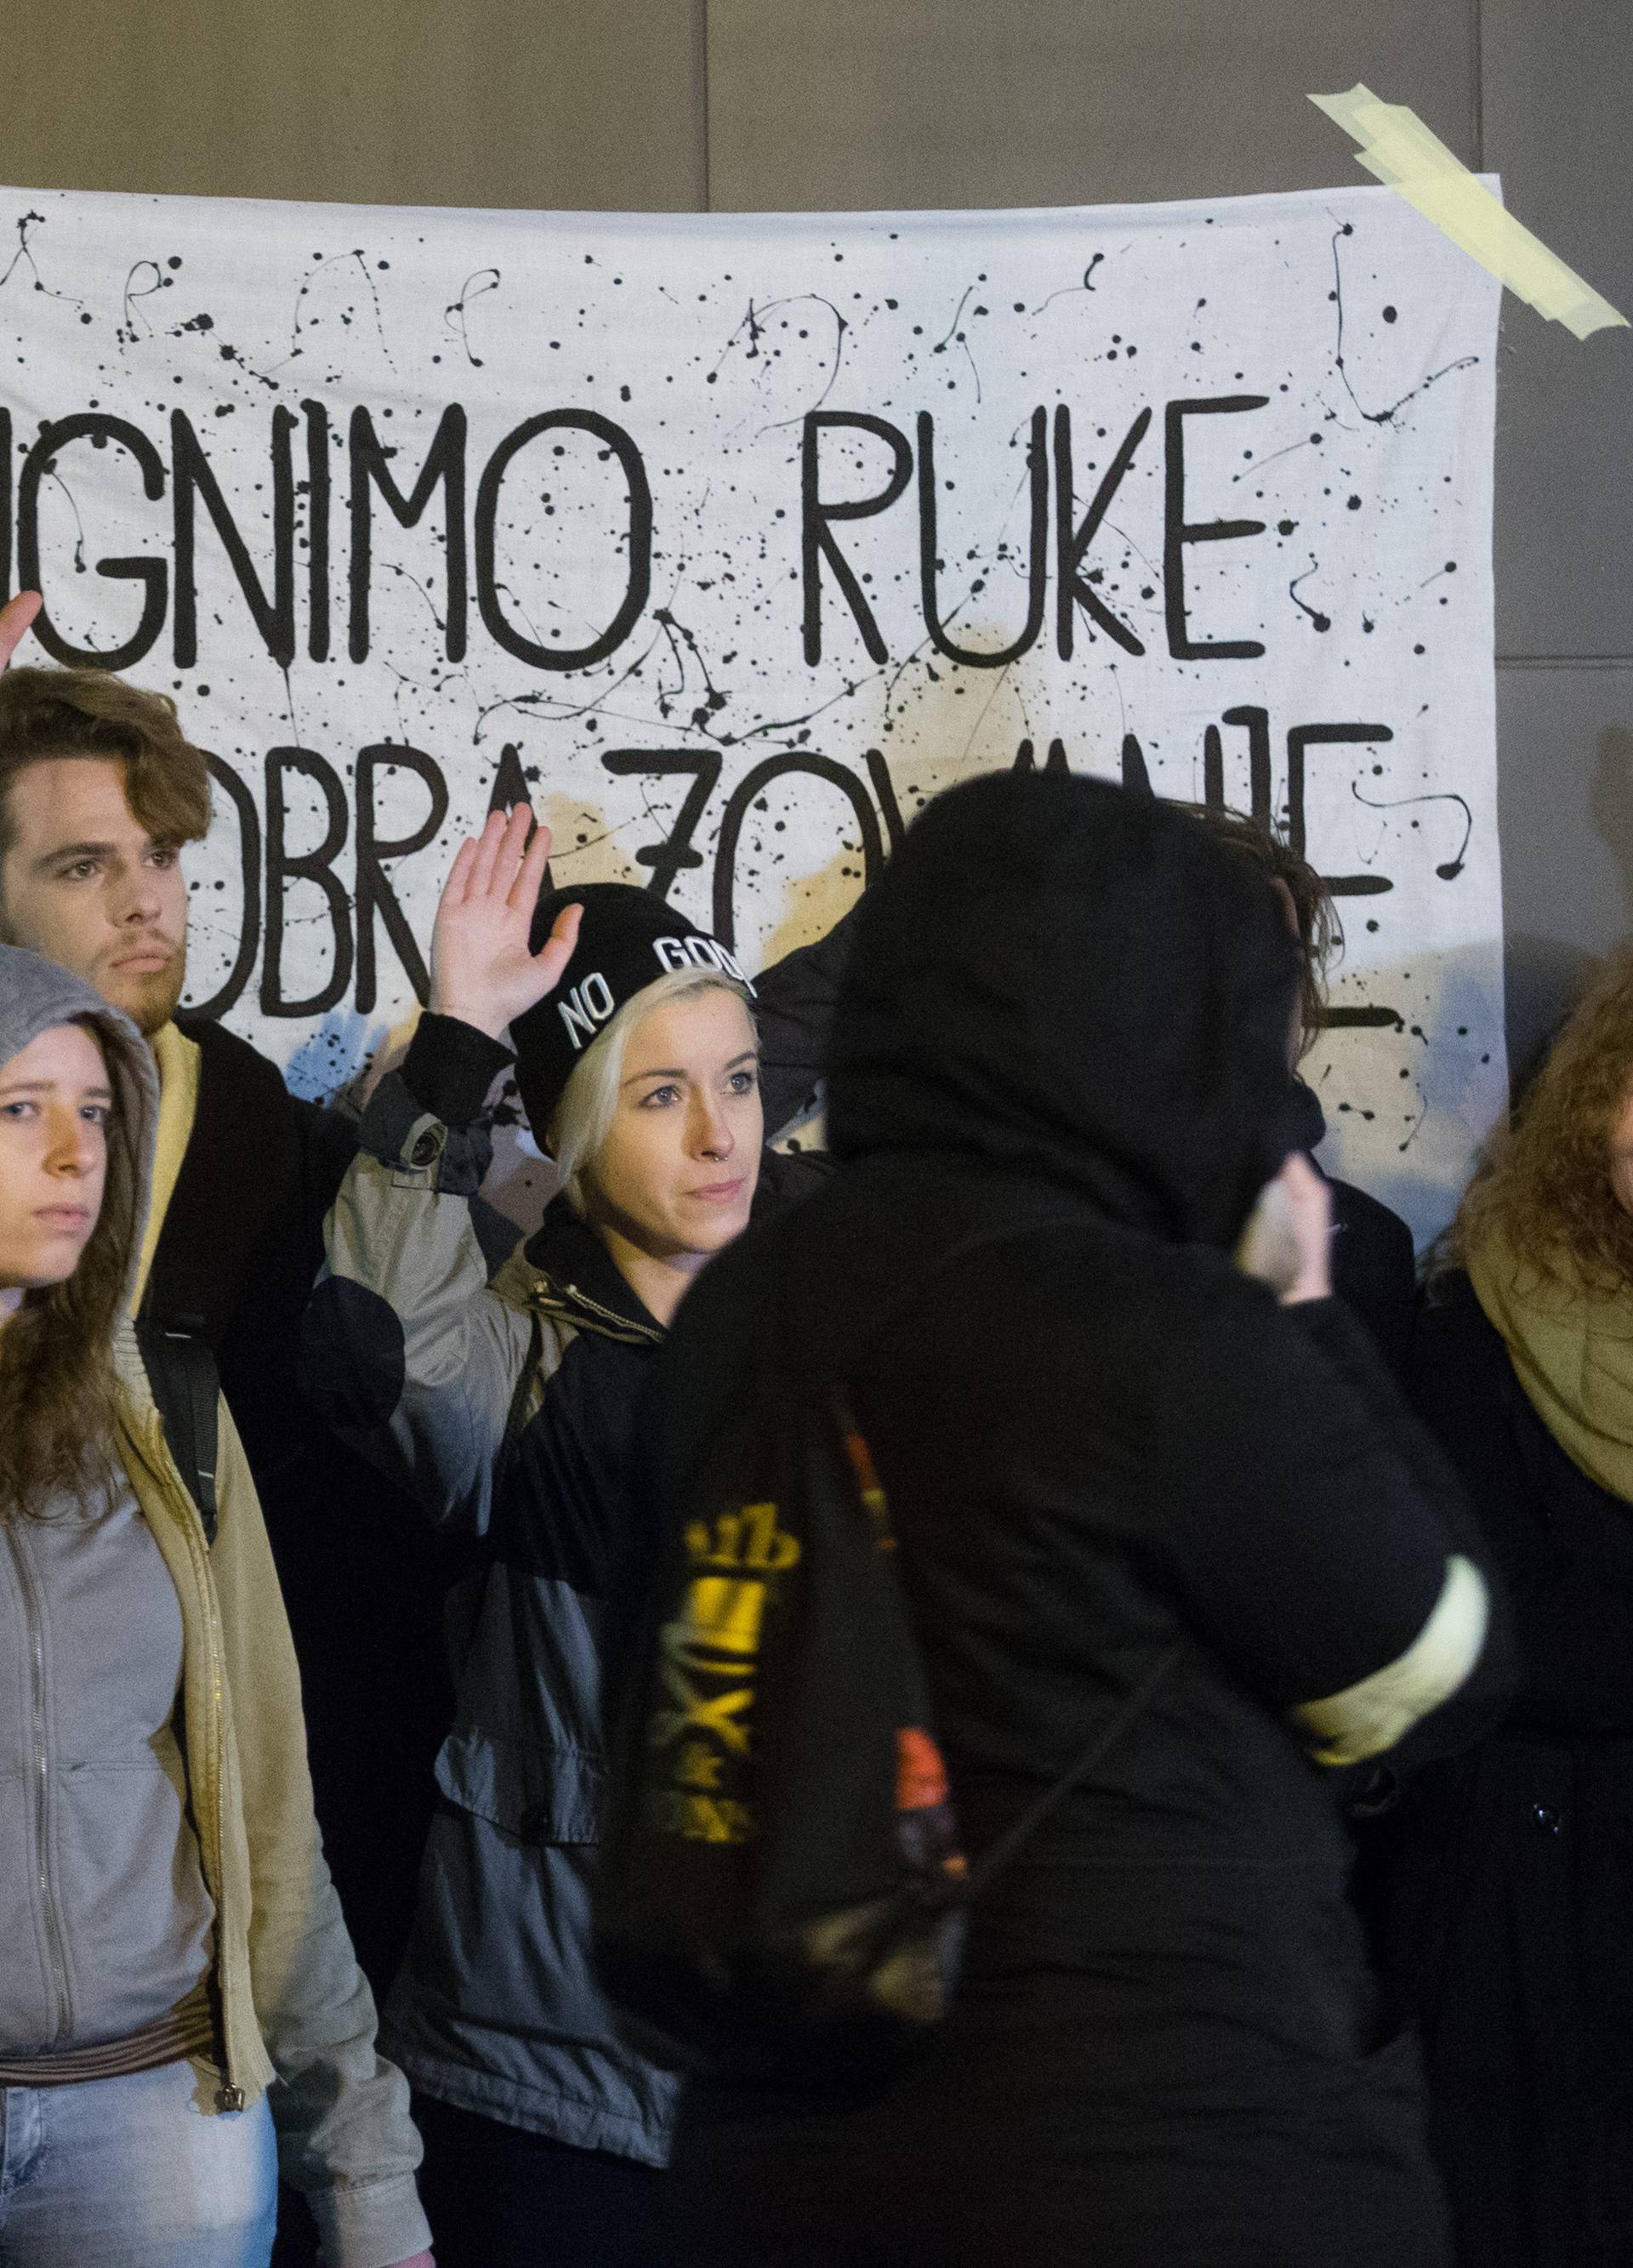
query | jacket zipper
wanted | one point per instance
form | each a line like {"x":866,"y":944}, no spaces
{"x":571,"y":1295}
{"x":35,"y":1619}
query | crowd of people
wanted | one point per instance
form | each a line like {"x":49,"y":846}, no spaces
{"x":329,"y":1508}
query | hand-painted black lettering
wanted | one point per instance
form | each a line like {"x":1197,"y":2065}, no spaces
{"x":1178,"y":532}
{"x":371,"y":470}
{"x":375,"y":894}
{"x":1256,"y":723}
{"x":1137,"y":778}
{"x":669,"y":857}
{"x":816,"y":517}
{"x":249,"y":891}
{"x":152,"y":574}
{"x":192,"y":477}
{"x":318,"y":866}
{"x":490,"y":583}
{"x":1037,"y":554}
{"x":1357,"y":886}
{"x":753,"y":784}
{"x":1374,"y":1016}
{"x":318,"y":491}
{"x":511,"y":787}
{"x":1213,"y":769}
{"x":510,"y":781}
{"x":884,"y":789}
{"x":1362,"y":1019}
{"x":1026,"y":759}
{"x":1299,"y":738}
{"x":1072,"y":589}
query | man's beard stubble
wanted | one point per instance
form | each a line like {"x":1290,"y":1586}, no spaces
{"x":148,"y":995}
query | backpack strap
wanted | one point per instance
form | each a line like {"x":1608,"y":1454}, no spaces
{"x":187,"y":1387}
{"x":998,"y":1855}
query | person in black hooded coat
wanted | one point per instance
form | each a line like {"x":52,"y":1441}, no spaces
{"x":1064,"y":1023}
{"x":1374,"y":1267}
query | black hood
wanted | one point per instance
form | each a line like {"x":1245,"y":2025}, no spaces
{"x":1306,"y":1119}
{"x":1072,"y":983}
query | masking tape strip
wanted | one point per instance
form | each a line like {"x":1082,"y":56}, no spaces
{"x":1406,"y":157}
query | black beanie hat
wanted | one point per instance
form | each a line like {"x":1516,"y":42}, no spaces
{"x":627,"y":939}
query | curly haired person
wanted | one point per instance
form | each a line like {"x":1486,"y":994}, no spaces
{"x":1509,"y":1895}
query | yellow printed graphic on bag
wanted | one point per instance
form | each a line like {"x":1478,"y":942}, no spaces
{"x":706,"y":1656}
{"x":749,"y":1538}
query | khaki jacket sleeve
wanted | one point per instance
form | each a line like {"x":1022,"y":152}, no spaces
{"x":344,"y":2136}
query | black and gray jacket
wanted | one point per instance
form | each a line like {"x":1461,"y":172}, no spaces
{"x":508,"y":1410}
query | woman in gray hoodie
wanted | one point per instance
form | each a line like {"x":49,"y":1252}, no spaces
{"x":181,"y":2016}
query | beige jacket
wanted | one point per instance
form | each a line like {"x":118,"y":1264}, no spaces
{"x":297,"y":2014}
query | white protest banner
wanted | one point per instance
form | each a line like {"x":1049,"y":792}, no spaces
{"x":731,"y":540}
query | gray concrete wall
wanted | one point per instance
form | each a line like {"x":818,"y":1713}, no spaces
{"x":694,"y":105}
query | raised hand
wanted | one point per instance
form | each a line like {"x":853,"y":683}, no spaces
{"x":15,"y":617}
{"x":481,"y":968}
{"x":1287,"y":1243}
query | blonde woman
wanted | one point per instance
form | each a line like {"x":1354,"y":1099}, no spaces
{"x":1510,"y":1909}
{"x":510,"y":1409}
{"x":180,"y":2005}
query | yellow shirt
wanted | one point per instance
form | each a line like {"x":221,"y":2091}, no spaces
{"x":177,"y":1058}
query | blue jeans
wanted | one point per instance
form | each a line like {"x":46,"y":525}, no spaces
{"x":130,"y":2173}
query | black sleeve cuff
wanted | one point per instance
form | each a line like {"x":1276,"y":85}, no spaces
{"x":450,"y":1066}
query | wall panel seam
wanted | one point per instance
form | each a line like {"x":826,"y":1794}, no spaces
{"x":703,"y":80}
{"x":1477,"y":82}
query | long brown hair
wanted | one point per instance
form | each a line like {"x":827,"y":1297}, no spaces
{"x":1544,"y":1183}
{"x":57,"y":1375}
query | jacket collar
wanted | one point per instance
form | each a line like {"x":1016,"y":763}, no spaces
{"x":177,"y":1057}
{"x":574,"y":1275}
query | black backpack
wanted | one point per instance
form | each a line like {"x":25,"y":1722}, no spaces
{"x":782,"y":1892}
{"x":185,"y":1387}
